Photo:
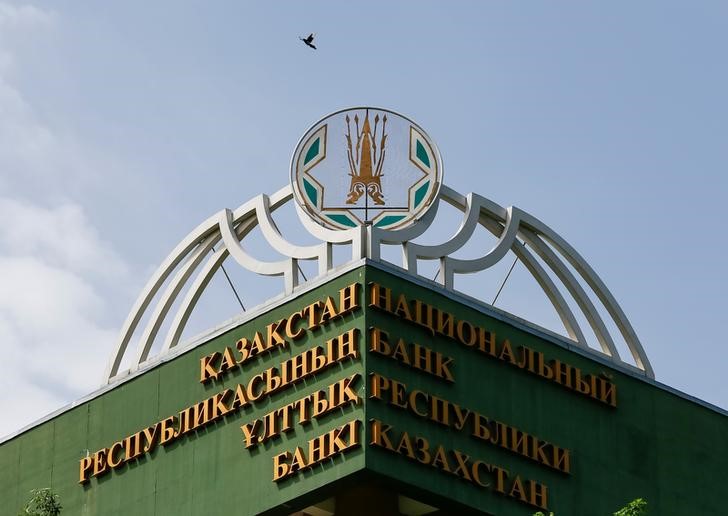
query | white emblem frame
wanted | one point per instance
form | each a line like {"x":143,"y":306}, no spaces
{"x":300,"y":197}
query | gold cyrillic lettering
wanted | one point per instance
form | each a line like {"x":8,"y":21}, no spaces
{"x":241,"y":398}
{"x":460,"y":415}
{"x":348,"y":345}
{"x":113,"y":461}
{"x":219,"y":408}
{"x":286,"y":420}
{"x":607,"y":392}
{"x":184,"y":422}
{"x":379,"y":435}
{"x":84,"y":466}
{"x":543,"y":370}
{"x":562,"y":459}
{"x":486,"y":342}
{"x":466,"y":333}
{"x":476,"y":472}
{"x":320,"y":403}
{"x":243,"y":347}
{"x":228,"y":361}
{"x":413,"y":402}
{"x":500,"y":437}
{"x":519,"y":441}
{"x":501,"y":475}
{"x":318,"y":449}
{"x":100,"y":464}
{"x":349,"y":298}
{"x":201,"y":414}
{"x":539,"y":495}
{"x":400,"y":352}
{"x":424,"y":316}
{"x":378,"y":342}
{"x":481,"y":428}
{"x":439,"y":460}
{"x":250,"y":433}
{"x":280,"y":466}
{"x":440,"y":410}
{"x":506,"y":353}
{"x":405,"y":444}
{"x":151,"y":437}
{"x":422,"y":358}
{"x":273,"y":336}
{"x":517,"y":490}
{"x":580,"y":384}
{"x":337,"y":443}
{"x":250,"y":391}
{"x":423,"y":446}
{"x":462,"y":469}
{"x":304,"y":409}
{"x":562,"y":373}
{"x":342,"y":392}
{"x":526,"y":361}
{"x":318,"y":360}
{"x":311,"y":312}
{"x":270,"y":426}
{"x":207,"y":368}
{"x":402,"y":310}
{"x":380,"y":297}
{"x":445,"y":324}
{"x":167,"y":429}
{"x":273,"y":380}
{"x":257,"y":346}
{"x":133,"y":446}
{"x":442,"y":367}
{"x":298,"y":461}
{"x":329,"y":311}
{"x":291,"y":332}
{"x":397,"y":390}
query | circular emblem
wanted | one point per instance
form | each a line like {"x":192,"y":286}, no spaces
{"x":366,"y":166}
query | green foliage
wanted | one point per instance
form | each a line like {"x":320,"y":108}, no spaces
{"x":43,"y":502}
{"x":636,"y":507}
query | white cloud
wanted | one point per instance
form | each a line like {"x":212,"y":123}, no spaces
{"x":62,"y":235}
{"x":22,"y":400}
{"x":35,"y":157}
{"x":54,"y":266}
{"x":16,"y":23}
{"x":53,"y":342}
{"x":22,"y":16}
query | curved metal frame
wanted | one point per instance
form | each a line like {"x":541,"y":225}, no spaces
{"x":515,"y":230}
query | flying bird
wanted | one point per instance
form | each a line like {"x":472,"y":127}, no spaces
{"x":309,"y":40}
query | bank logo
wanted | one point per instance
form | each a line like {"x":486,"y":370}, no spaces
{"x":366,"y":166}
{"x":365,"y":169}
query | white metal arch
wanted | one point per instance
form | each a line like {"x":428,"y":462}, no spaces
{"x":512,"y":226}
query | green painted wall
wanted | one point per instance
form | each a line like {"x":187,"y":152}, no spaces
{"x":654,"y":444}
{"x":209,"y":472}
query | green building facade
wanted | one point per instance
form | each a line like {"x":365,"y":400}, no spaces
{"x":374,"y":392}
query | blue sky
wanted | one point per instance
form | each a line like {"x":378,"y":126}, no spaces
{"x":124,"y":124}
